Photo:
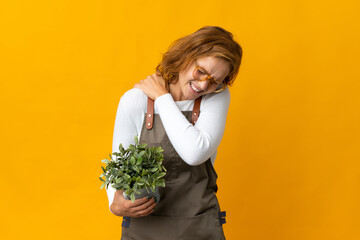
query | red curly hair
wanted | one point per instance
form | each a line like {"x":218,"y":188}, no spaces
{"x":208,"y":41}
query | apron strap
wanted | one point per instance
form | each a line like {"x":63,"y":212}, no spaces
{"x":150,"y":112}
{"x":196,"y":110}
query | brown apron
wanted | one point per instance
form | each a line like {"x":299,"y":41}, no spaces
{"x":188,"y":207}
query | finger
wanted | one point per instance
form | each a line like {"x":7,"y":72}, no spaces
{"x":143,"y":206}
{"x":155,"y":77}
{"x":138,"y":202}
{"x":159,"y":79}
{"x":146,"y":211}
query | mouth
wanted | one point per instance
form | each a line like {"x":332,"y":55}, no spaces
{"x":195,"y":88}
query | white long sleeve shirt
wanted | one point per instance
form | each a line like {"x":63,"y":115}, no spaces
{"x":194,"y":144}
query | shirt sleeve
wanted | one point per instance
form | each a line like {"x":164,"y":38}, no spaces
{"x":195,"y":144}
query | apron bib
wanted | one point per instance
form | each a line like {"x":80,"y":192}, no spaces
{"x":188,"y":208}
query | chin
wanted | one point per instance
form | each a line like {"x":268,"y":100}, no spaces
{"x":194,"y":97}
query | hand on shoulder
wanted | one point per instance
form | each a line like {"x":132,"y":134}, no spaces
{"x":153,"y":86}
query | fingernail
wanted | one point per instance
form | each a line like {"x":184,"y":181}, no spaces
{"x":155,"y":200}
{"x":148,"y":197}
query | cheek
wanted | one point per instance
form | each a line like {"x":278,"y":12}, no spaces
{"x":184,"y":78}
{"x":211,"y":89}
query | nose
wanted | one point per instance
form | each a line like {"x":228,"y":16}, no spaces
{"x":203,"y":84}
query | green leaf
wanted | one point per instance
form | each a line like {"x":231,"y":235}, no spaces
{"x":136,"y":169}
{"x":145,"y":180}
{"x":141,"y":154}
{"x":113,"y":172}
{"x":162,"y":174}
{"x":105,"y":161}
{"x":102,"y":185}
{"x":101,"y":179}
{"x":116,"y":186}
{"x":132,"y":197}
{"x":103,"y":169}
{"x":136,"y":140}
{"x":110,"y":157}
{"x":121,"y":148}
{"x":143,"y":145}
{"x":139,"y":160}
{"x":132,"y":160}
{"x":154,"y":169}
{"x":128,"y":192}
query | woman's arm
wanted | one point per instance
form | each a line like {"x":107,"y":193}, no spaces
{"x":195,"y":144}
{"x":126,"y":128}
{"x":124,"y":132}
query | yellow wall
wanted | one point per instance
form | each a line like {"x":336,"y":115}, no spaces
{"x":288,"y":164}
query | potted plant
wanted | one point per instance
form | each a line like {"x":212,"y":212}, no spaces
{"x":137,"y":170}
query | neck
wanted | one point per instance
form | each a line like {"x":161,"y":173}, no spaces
{"x":175,"y":91}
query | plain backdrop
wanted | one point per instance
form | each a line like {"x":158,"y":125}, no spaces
{"x":288,"y":164}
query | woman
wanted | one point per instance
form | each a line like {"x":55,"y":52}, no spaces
{"x":182,"y":108}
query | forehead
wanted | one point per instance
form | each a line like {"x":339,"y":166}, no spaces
{"x":218,"y":68}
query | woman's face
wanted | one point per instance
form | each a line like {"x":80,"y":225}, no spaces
{"x":189,"y":88}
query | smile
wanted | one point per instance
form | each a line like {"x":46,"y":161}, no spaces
{"x":194,"y":88}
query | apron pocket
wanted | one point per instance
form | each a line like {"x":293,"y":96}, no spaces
{"x":205,"y":226}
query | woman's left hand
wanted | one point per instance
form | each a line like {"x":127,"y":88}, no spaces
{"x":153,"y":86}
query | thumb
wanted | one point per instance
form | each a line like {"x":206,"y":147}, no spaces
{"x":118,"y":192}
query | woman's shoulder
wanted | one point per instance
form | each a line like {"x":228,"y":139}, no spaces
{"x":134,"y":100}
{"x":221,"y":98}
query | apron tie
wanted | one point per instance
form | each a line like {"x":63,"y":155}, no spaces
{"x":126,"y":222}
{"x":222,"y":216}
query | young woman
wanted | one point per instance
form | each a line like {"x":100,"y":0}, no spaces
{"x":182,"y":108}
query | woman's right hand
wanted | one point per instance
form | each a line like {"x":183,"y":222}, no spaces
{"x":139,"y":208}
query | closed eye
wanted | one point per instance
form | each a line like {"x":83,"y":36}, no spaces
{"x":201,"y":72}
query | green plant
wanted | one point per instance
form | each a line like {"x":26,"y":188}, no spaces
{"x":135,"y":168}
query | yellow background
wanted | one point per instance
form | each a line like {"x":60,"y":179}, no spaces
{"x":288,"y":164}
